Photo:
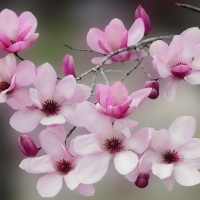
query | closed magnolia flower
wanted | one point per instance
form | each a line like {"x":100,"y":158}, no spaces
{"x":155,"y":89}
{"x":68,"y":67}
{"x":141,"y":13}
{"x":27,"y":146}
{"x":142,"y":180}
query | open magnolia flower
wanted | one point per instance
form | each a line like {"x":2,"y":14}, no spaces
{"x":116,"y":37}
{"x":52,"y":104}
{"x":104,"y":142}
{"x":180,"y":60}
{"x":175,"y":153}
{"x":12,"y":77}
{"x":58,"y":165}
{"x":115,"y":101}
{"x":17,"y":33}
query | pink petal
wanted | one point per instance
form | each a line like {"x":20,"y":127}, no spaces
{"x":140,"y":96}
{"x":160,"y":141}
{"x":20,"y":99}
{"x":49,"y":139}
{"x":3,"y":98}
{"x":162,"y":170}
{"x":26,"y":121}
{"x":120,"y":127}
{"x":25,"y":73}
{"x":93,"y":36}
{"x":94,"y":121}
{"x":9,"y":23}
{"x":102,"y":92}
{"x":42,"y":164}
{"x":147,"y":160}
{"x":169,"y":182}
{"x":22,"y":35}
{"x":87,"y":144}
{"x":136,"y":32}
{"x":193,"y":78}
{"x":32,"y":38}
{"x":132,"y":176}
{"x":124,"y":40}
{"x":28,"y":19}
{"x":125,"y":161}
{"x":195,"y":63}
{"x":50,"y":184}
{"x":181,"y":130}
{"x":114,"y":34}
{"x":36,"y":98}
{"x":46,"y":81}
{"x":65,"y":89}
{"x":161,"y":67}
{"x":18,"y":46}
{"x":86,"y":190}
{"x":160,"y":49}
{"x":59,"y":130}
{"x":82,"y":92}
{"x":71,"y":181}
{"x":186,"y":175}
{"x":171,"y":88}
{"x":139,"y":141}
{"x":53,"y":120}
{"x":69,"y":113}
{"x":114,"y":90}
{"x":96,"y":165}
{"x":191,"y":149}
{"x":104,"y":45}
{"x":4,"y":39}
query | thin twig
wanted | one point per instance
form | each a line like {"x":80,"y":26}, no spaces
{"x":18,"y":56}
{"x":141,"y":65}
{"x":104,"y":76}
{"x":112,"y":70}
{"x":93,"y":85}
{"x":87,"y":50}
{"x":70,"y":132}
{"x":188,"y":7}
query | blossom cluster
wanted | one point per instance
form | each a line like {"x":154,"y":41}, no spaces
{"x":53,"y":102}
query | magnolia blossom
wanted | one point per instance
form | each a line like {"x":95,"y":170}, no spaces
{"x":116,"y":37}
{"x":175,"y":153}
{"x":68,"y":67}
{"x":17,"y":33}
{"x":115,"y":101}
{"x":179,"y":60}
{"x":58,"y":164}
{"x":104,"y":142}
{"x":52,"y":104}
{"x":141,"y":13}
{"x":13,"y":76}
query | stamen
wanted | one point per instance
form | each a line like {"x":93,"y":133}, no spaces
{"x":169,"y":156}
{"x":50,"y":107}
{"x":63,"y":166}
{"x":4,"y":85}
{"x":113,"y":145}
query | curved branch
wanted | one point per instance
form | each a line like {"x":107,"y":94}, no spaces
{"x":188,"y":7}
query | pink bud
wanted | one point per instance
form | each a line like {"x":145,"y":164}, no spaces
{"x":155,"y":89}
{"x":68,"y":67}
{"x":142,"y":180}
{"x":27,"y":146}
{"x":141,"y":13}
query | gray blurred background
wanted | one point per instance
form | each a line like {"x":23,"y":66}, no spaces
{"x":67,"y":22}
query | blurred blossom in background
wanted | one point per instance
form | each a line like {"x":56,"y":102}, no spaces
{"x":67,"y":22}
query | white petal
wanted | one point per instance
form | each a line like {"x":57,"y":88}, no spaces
{"x":71,"y":181}
{"x":125,"y":161}
{"x":86,"y":190}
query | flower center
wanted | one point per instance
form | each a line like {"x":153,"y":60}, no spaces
{"x":63,"y":166}
{"x":113,"y":145}
{"x":180,"y":70}
{"x":169,"y":156}
{"x":50,"y":107}
{"x":4,"y":85}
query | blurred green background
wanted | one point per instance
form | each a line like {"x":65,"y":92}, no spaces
{"x":67,"y":22}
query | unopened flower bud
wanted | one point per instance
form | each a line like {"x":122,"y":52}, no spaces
{"x":142,"y":180}
{"x":141,"y":13}
{"x":68,"y":67}
{"x":27,"y":146}
{"x":155,"y":89}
